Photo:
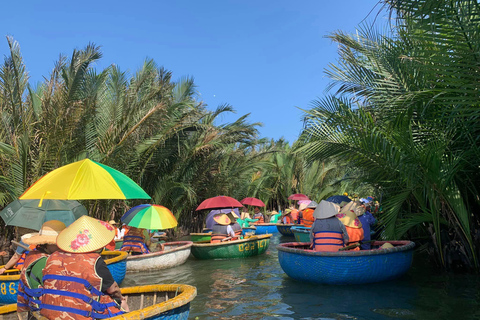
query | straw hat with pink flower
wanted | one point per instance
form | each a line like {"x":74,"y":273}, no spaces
{"x":348,"y":217}
{"x":86,"y":234}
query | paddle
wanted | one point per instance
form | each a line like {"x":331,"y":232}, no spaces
{"x":353,"y":246}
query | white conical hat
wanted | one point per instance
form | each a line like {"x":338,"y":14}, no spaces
{"x":325,"y":209}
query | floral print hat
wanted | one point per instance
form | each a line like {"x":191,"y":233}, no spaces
{"x":348,"y":217}
{"x":86,"y":234}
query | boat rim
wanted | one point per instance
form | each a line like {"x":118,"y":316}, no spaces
{"x":404,"y":245}
{"x":254,"y":238}
{"x":184,"y":245}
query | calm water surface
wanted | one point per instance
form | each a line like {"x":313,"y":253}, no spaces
{"x":257,"y":288}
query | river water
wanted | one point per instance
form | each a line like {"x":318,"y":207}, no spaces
{"x":257,"y":288}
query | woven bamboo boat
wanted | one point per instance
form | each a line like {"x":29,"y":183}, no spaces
{"x":174,"y":254}
{"x":301,"y":233}
{"x":252,"y":230}
{"x":286,"y":229}
{"x":345,"y":267}
{"x":265,"y":228}
{"x":116,"y":262}
{"x":167,"y":302}
{"x":232,"y":249}
{"x":198,"y":237}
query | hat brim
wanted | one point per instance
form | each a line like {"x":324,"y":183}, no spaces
{"x":36,"y":238}
{"x":325,"y":210}
{"x":222,"y":219}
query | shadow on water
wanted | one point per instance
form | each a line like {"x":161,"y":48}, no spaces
{"x":257,"y":288}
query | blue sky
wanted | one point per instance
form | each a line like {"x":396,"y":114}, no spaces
{"x":266,"y":58}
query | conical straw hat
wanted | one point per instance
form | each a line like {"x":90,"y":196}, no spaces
{"x":325,"y":209}
{"x":86,"y":234}
{"x":47,"y":234}
{"x":348,"y":217}
{"x":222,"y":219}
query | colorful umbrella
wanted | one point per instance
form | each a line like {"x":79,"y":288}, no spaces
{"x":253,"y":202}
{"x":219,"y":202}
{"x":298,"y":196}
{"x":27,"y":213}
{"x":85,"y":179}
{"x":150,"y":216}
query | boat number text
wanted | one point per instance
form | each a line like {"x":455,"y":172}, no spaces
{"x":11,"y":288}
{"x":251,"y":246}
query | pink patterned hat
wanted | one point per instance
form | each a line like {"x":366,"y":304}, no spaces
{"x":86,"y":234}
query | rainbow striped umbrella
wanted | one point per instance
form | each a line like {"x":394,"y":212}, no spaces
{"x":150,"y":216}
{"x":85,"y":179}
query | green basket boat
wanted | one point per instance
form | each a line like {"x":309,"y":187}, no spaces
{"x":200,"y":237}
{"x":232,"y":249}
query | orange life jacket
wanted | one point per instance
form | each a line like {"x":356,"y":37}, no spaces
{"x":327,"y":241}
{"x":134,"y":241}
{"x":72,"y":288}
{"x":260,"y":217}
{"x":28,"y":299}
{"x":288,"y":220}
{"x":355,"y":235}
{"x":21,"y":261}
{"x":219,"y":233}
{"x":111,"y":245}
{"x":308,"y":218}
{"x":294,"y":214}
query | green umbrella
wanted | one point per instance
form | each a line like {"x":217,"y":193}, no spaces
{"x":27,"y":213}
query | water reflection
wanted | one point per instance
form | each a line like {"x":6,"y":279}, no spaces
{"x":257,"y":288}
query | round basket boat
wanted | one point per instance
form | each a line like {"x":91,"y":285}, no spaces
{"x":286,"y":229}
{"x":116,"y":262}
{"x":301,"y":234}
{"x":174,"y":254}
{"x":265,"y":228}
{"x":236,"y":249}
{"x":345,"y":267}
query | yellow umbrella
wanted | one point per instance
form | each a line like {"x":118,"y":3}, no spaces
{"x":85,"y":179}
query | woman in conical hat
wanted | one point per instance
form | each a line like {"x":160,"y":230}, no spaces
{"x":353,"y":225}
{"x":78,"y":268}
{"x":45,"y":242}
{"x":222,"y":229}
{"x":327,"y":233}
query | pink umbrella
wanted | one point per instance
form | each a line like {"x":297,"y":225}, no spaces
{"x":298,"y":196}
{"x":219,"y":202}
{"x":253,"y":202}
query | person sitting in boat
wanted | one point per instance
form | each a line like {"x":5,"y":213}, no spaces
{"x":136,"y":241}
{"x":287,"y":217}
{"x":245,"y":214}
{"x":367,"y":220}
{"x":237,"y":228}
{"x":308,"y":219}
{"x":327,"y":233}
{"x":353,"y":225}
{"x":258,"y":215}
{"x":293,"y":214}
{"x":45,"y":243}
{"x":222,"y":230}
{"x":16,"y":261}
{"x":275,"y":216}
{"x":77,"y":283}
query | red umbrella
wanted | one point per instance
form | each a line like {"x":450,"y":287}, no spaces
{"x":219,"y":202}
{"x":253,"y":202}
{"x":298,"y":196}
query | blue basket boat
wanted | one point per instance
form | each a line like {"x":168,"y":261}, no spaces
{"x":286,"y":229}
{"x":251,"y":230}
{"x":265,"y":228}
{"x":116,"y":262}
{"x":301,"y":234}
{"x":345,"y":267}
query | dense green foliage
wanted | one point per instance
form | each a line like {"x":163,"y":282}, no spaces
{"x":405,"y":114}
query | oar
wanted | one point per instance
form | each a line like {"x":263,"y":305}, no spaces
{"x":357,"y":244}
{"x":21,"y":245}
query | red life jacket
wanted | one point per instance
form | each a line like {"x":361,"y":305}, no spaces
{"x":111,"y":246}
{"x":72,"y":289}
{"x":28,"y":299}
{"x":134,"y":241}
{"x":308,"y":218}
{"x":327,"y":241}
{"x":21,"y":261}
